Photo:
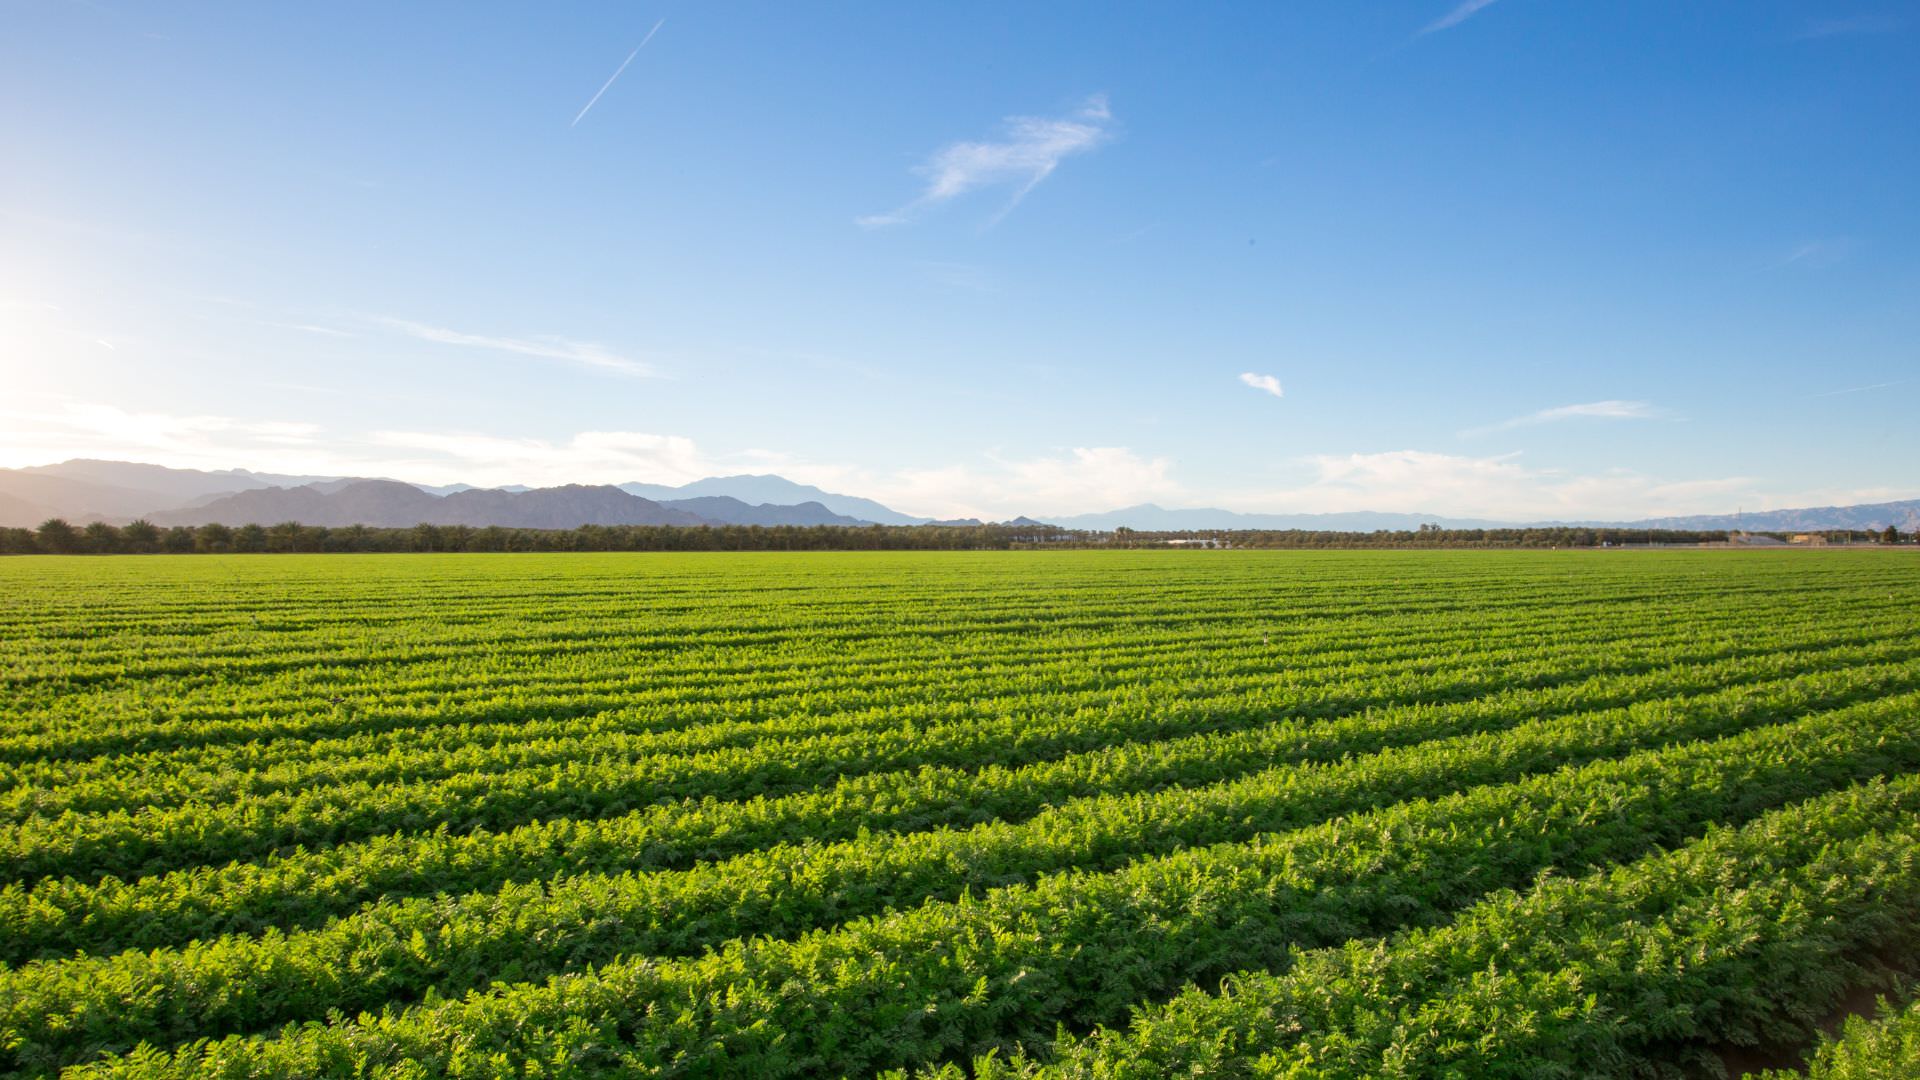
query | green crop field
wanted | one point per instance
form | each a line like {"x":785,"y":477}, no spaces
{"x":1101,"y":814}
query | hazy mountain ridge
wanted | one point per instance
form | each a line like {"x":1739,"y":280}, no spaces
{"x":727,"y":510}
{"x":1147,"y":517}
{"x":84,"y":490}
{"x":184,"y":483}
{"x":392,"y":504}
{"x":32,"y":498}
{"x":19,"y":513}
{"x":775,"y":490}
{"x":1903,"y":515}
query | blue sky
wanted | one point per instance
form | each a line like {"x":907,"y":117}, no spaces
{"x":1516,"y":259}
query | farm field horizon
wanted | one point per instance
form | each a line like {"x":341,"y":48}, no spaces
{"x":1075,"y":813}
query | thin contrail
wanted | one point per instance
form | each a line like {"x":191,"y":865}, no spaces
{"x":1857,"y":389}
{"x":618,"y":70}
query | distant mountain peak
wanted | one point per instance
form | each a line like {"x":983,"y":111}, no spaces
{"x":767,"y":489}
{"x":393,"y":504}
{"x":727,"y":510}
{"x":88,"y":489}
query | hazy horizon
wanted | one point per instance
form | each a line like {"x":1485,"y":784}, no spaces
{"x":1498,"y":260}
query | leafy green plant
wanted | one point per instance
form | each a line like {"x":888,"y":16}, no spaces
{"x":1068,"y":813}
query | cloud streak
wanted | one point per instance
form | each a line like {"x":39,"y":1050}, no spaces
{"x":585,"y":354}
{"x":1062,"y":481}
{"x":55,"y":429}
{"x":1032,"y":147}
{"x":1082,"y":479}
{"x":309,"y":328}
{"x":1817,"y":253}
{"x":1264,"y":383}
{"x":617,"y":72}
{"x":1858,"y":389}
{"x":591,"y":457}
{"x":1499,"y":488}
{"x":1595,"y":410}
{"x":65,"y":428}
{"x":1467,"y":9}
{"x":1851,"y":26}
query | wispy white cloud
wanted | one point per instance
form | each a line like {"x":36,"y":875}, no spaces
{"x":595,"y":99}
{"x":1850,"y":25}
{"x":1078,"y":480}
{"x":1461,"y":12}
{"x":987,"y":485}
{"x":1265,"y":383}
{"x":1110,"y":475}
{"x":61,"y":428}
{"x":584,"y":353}
{"x":1498,"y":488}
{"x":1031,"y":149}
{"x":54,"y":429}
{"x":1597,"y":410}
{"x":995,"y":486}
{"x":303,"y":387}
{"x":44,"y":429}
{"x":1873,"y":386}
{"x":590,"y":457}
{"x":1803,"y":252}
{"x":1816,"y":253}
{"x":310,"y":328}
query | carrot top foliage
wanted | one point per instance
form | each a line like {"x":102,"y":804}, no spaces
{"x":1073,"y":813}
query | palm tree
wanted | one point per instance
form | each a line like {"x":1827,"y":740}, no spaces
{"x":57,"y":536}
{"x":102,"y":538}
{"x":140,"y":535}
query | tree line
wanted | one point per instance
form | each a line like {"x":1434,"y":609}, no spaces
{"x":59,"y":537}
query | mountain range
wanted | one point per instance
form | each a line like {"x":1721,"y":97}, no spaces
{"x":119,"y":491}
{"x":392,"y":504}
{"x":1149,"y":517}
{"x":1904,"y":515}
{"x":773,"y":491}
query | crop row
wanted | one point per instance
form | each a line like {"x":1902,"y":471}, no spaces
{"x":408,"y":703}
{"x":1735,"y":940}
{"x":579,"y":632}
{"x":397,"y":951}
{"x":62,"y":915}
{"x":1002,"y":969}
{"x":118,"y":841}
{"x":157,"y":784}
{"x":756,"y":686}
{"x":1883,"y":1048}
{"x":320,"y":669}
{"x":45,"y":788}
